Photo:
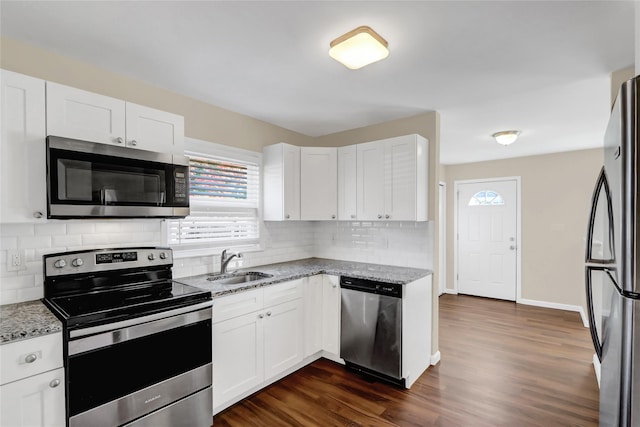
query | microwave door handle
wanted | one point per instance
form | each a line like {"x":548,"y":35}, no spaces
{"x":103,"y":197}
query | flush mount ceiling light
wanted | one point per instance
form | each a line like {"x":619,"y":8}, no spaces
{"x":506,"y":137}
{"x":358,"y":48}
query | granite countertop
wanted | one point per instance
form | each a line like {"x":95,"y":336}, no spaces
{"x":292,"y":270}
{"x":24,"y":320}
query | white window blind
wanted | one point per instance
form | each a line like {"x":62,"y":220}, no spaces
{"x":224,"y":200}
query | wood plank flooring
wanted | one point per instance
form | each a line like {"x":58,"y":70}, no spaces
{"x":502,"y":365}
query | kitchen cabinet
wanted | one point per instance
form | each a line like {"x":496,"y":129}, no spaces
{"x":331,"y":317}
{"x":318,"y":183}
{"x":22,"y":149}
{"x":257,"y":335}
{"x":392,"y":179}
{"x":281,"y":176}
{"x":32,"y":382}
{"x":78,"y":114}
{"x":313,"y":315}
{"x":347,"y":183}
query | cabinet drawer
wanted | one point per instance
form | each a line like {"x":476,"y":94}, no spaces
{"x":283,"y":292}
{"x":30,"y":357}
{"x":238,"y":304}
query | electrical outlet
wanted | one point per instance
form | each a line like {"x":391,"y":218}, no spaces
{"x":15,"y":260}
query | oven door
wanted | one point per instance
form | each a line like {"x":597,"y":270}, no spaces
{"x":86,"y":179}
{"x":142,"y":368}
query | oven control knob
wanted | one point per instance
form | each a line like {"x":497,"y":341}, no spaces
{"x":77,"y":262}
{"x":163,"y":255}
{"x":151,"y":257}
{"x":60,"y":263}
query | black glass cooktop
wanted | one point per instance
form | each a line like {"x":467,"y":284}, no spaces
{"x":105,"y":306}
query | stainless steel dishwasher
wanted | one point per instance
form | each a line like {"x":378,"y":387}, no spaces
{"x":371,"y":328}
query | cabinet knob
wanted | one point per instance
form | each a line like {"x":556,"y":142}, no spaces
{"x":333,"y":217}
{"x":268,"y":313}
{"x":30,"y":358}
{"x":260,"y":316}
{"x":334,"y":285}
{"x":387,"y":216}
{"x":37,"y":214}
{"x":54,"y":383}
{"x":353,"y":216}
{"x":119,"y":140}
{"x":287,"y":216}
{"x":379,"y":216}
{"x":134,"y":142}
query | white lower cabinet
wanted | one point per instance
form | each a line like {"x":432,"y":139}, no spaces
{"x":256,"y":336}
{"x":34,"y":401}
{"x":331,"y":316}
{"x":32,"y":383}
{"x":313,"y":318}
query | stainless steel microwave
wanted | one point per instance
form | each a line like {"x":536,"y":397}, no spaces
{"x":89,"y":180}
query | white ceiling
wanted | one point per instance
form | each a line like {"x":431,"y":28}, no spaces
{"x":542,"y":67}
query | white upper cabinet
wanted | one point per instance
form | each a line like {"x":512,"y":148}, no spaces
{"x":392,"y":179}
{"x":22,"y":149}
{"x":318,"y":183}
{"x":347,"y":183}
{"x":78,"y":114}
{"x":281,"y":173}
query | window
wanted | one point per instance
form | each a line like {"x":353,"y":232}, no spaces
{"x":486,"y":198}
{"x":224,"y":188}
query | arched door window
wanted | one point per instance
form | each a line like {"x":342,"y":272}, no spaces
{"x":486,"y":198}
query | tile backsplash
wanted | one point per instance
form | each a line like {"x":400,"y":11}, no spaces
{"x":395,"y":243}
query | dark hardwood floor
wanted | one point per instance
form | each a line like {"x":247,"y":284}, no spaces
{"x":502,"y":365}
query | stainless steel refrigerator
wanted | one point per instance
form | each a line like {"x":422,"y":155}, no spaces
{"x":613,"y":267}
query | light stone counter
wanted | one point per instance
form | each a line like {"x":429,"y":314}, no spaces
{"x":26,"y":320}
{"x":292,"y":270}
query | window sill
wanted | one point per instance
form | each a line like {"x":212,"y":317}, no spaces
{"x":179,"y":253}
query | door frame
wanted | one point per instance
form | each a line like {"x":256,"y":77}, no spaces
{"x":442,"y":243}
{"x":517,"y":179}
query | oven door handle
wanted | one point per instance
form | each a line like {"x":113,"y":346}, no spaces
{"x":95,"y":337}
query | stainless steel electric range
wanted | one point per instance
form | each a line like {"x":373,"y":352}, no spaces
{"x":137,"y":344}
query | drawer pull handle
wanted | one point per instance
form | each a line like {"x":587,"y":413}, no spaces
{"x":31,"y":358}
{"x":54,"y":383}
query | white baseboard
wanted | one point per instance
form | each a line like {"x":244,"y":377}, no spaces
{"x":557,"y":306}
{"x":435,"y":358}
{"x":596,"y":367}
{"x":450,"y":291}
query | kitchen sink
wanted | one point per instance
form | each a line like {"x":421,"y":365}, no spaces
{"x":238,"y":278}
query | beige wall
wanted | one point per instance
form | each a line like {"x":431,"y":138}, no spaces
{"x":617,"y":78}
{"x":202,"y":121}
{"x":556,"y":193}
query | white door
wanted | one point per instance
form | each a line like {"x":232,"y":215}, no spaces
{"x":370,"y":180}
{"x":442,"y":226}
{"x":154,"y":130}
{"x":347,"y":183}
{"x":487,"y":238}
{"x":318,"y":183}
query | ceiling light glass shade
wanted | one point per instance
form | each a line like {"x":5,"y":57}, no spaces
{"x":358,"y":48}
{"x":506,"y":137}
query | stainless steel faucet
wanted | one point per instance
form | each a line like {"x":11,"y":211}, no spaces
{"x":224,"y":260}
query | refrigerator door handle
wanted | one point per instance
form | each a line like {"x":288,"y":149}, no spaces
{"x":602,"y":183}
{"x":591,"y":314}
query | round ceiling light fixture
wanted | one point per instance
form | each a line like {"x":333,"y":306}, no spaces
{"x":506,"y":137}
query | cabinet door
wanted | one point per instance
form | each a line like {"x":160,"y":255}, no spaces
{"x":370,"y":180}
{"x":347,"y":183}
{"x":400,"y":178}
{"x":283,"y":337}
{"x":23,"y":196}
{"x":238,"y":357}
{"x":291,"y":182}
{"x":78,"y":114}
{"x":154,"y":130}
{"x":34,"y":401}
{"x":331,"y":314}
{"x":313,"y":315}
{"x":318,"y":183}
